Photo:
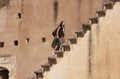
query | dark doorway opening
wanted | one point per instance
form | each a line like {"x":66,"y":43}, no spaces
{"x":4,"y":73}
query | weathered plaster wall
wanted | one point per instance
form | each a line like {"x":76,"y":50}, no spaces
{"x":105,"y":56}
{"x":74,"y":64}
{"x":38,"y":20}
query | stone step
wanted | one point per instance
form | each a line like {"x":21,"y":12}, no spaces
{"x":108,"y":5}
{"x":31,"y":78}
{"x":46,"y":67}
{"x":85,"y":27}
{"x":65,"y":47}
{"x":114,"y":1}
{"x":73,"y":40}
{"x":59,"y":53}
{"x":39,"y":73}
{"x":93,"y":20}
{"x":101,"y":13}
{"x":52,"y":60}
{"x":79,"y":33}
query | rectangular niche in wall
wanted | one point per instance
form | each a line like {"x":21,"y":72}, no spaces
{"x":43,"y":39}
{"x":19,"y":15}
{"x":16,"y":42}
{"x":27,"y":40}
{"x":1,"y":44}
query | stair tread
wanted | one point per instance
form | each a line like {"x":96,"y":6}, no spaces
{"x":78,"y":31}
{"x":85,"y":24}
{"x":52,"y":57}
{"x":31,"y":78}
{"x":108,"y":3}
{"x":93,"y":18}
{"x":46,"y":64}
{"x":38,"y":71}
{"x":58,"y":51}
{"x":100,"y":11}
{"x":72,"y":38}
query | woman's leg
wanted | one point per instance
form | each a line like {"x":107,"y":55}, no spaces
{"x":57,"y":44}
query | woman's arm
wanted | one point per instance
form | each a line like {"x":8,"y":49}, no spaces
{"x":57,"y":32}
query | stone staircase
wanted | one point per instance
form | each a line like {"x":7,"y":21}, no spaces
{"x":52,"y":60}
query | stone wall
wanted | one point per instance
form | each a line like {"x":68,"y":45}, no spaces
{"x":38,"y":20}
{"x":96,"y":55}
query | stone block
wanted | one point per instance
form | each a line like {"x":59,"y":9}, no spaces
{"x":73,"y":40}
{"x":108,"y":5}
{"x":46,"y":67}
{"x":115,"y":0}
{"x":52,"y":60}
{"x":59,"y":53}
{"x":93,"y":20}
{"x":31,"y":78}
{"x":101,"y":13}
{"x":39,"y":73}
{"x":65,"y":47}
{"x":79,"y":33}
{"x":85,"y":27}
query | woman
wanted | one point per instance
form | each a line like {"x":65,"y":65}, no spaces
{"x":60,"y":35}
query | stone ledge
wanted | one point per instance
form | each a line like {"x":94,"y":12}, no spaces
{"x":73,"y":40}
{"x":59,"y":54}
{"x":31,"y":78}
{"x":93,"y":20}
{"x":114,"y":1}
{"x":101,"y":13}
{"x":79,"y":33}
{"x":52,"y":60}
{"x":108,"y":5}
{"x":46,"y":67}
{"x":85,"y":27}
{"x":65,"y":47}
{"x":39,"y":73}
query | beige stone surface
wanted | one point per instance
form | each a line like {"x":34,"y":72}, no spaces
{"x":104,"y":52}
{"x":106,"y":56}
{"x":74,"y":65}
{"x":38,"y":21}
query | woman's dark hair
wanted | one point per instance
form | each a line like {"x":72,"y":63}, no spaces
{"x":61,"y":24}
